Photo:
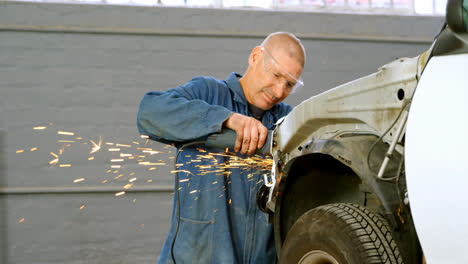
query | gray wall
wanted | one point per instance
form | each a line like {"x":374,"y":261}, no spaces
{"x":84,"y":68}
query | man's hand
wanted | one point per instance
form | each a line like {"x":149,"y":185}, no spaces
{"x":250,"y":133}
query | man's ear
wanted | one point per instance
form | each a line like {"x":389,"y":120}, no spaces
{"x":255,"y":56}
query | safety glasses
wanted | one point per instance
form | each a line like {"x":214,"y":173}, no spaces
{"x":277,"y":73}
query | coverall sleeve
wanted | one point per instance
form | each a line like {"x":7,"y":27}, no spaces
{"x":182,"y":114}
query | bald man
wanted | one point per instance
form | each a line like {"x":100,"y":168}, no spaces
{"x":215,"y":218}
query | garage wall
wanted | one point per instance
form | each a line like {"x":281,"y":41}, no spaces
{"x":84,"y":68}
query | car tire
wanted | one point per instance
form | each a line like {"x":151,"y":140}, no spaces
{"x":340,"y":233}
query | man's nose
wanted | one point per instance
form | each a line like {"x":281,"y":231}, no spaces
{"x":279,"y":89}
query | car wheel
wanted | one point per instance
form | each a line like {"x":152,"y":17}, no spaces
{"x":340,"y":233}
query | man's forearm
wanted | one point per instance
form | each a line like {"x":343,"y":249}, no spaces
{"x":169,"y":117}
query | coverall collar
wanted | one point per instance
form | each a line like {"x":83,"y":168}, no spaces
{"x":234,"y":84}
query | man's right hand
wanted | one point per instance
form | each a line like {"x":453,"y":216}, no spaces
{"x":250,"y":133}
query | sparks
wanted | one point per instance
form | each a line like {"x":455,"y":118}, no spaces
{"x":147,"y":163}
{"x":20,"y":151}
{"x":21,"y":220}
{"x":33,"y":149}
{"x":119,"y":193}
{"x":114,"y":149}
{"x":96,"y":147}
{"x":83,"y":206}
{"x":65,"y":141}
{"x":144,"y":136}
{"x":79,"y":180}
{"x":104,"y":181}
{"x":110,"y":143}
{"x":115,"y":166}
{"x":117,"y":160}
{"x":64,"y":165}
{"x":65,"y":133}
{"x":184,"y":180}
{"x":149,"y":180}
{"x":128,"y":186}
{"x":39,"y":128}
{"x":132,"y":179}
{"x":194,"y":191}
{"x":90,"y":158}
{"x":151,"y":152}
{"x":125,"y":155}
{"x":186,"y":171}
{"x":54,"y":161}
{"x":123,"y":145}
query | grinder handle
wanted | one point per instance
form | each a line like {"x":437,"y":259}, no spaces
{"x":227,"y":139}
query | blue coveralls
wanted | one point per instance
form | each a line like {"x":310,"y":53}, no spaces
{"x":219,"y":219}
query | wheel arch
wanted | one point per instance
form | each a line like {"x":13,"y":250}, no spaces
{"x":295,"y":196}
{"x":350,"y":178}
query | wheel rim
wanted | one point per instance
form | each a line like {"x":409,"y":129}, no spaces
{"x":317,"y":257}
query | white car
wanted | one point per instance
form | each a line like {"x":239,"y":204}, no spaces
{"x":375,"y":170}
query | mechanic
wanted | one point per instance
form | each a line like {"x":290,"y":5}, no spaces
{"x":218,"y":220}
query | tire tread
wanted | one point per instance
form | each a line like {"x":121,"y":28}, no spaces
{"x":370,"y":229}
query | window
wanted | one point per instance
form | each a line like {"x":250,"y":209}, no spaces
{"x":424,"y":7}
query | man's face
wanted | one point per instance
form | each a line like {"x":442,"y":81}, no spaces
{"x":275,"y":77}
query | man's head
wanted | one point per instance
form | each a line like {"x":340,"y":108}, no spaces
{"x":274,"y":71}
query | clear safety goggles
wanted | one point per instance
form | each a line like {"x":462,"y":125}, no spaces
{"x":278,"y":74}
